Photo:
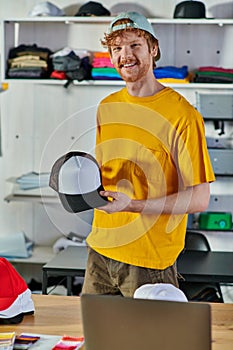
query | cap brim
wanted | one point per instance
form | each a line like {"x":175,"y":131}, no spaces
{"x":75,"y":203}
{"x":12,"y":320}
{"x":12,"y":309}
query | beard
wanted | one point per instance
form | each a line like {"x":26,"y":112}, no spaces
{"x":133,"y":74}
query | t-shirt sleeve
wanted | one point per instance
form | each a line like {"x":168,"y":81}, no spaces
{"x":193,"y":158}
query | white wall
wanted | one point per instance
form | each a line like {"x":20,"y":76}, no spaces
{"x":40,"y":122}
{"x":156,"y":8}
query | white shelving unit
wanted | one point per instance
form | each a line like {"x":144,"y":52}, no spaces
{"x":31,"y":198}
{"x":191,"y":42}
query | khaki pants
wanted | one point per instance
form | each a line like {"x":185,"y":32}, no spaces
{"x":107,"y":276}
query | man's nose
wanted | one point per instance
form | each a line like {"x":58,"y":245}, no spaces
{"x":126,"y":52}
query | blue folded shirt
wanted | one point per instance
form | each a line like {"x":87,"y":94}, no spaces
{"x":171,"y":72}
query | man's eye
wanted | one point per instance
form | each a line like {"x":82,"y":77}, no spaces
{"x":134,"y":45}
{"x":116,"y":49}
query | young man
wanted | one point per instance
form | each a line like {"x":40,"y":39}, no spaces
{"x":155,"y":169}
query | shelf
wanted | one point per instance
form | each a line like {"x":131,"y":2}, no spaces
{"x":218,"y":21}
{"x":31,"y":199}
{"x":190,"y":86}
{"x":40,"y":255}
{"x":178,"y":46}
{"x":108,"y":19}
{"x":221,"y":232}
{"x":74,"y":82}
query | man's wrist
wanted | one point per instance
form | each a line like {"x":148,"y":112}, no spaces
{"x":136,"y":206}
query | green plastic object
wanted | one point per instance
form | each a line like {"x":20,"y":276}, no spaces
{"x":215,"y":221}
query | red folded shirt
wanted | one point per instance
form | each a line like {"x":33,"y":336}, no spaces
{"x":215,"y":69}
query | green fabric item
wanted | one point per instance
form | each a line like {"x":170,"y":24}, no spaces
{"x":212,"y":73}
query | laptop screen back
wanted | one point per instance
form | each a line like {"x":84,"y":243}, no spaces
{"x":118,"y":323}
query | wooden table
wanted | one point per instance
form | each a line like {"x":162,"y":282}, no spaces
{"x":55,"y":315}
{"x":59,"y":315}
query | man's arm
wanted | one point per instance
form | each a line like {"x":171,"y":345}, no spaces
{"x":193,"y":199}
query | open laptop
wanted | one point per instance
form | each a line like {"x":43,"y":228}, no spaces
{"x":119,"y":323}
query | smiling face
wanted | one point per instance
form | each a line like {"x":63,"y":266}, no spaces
{"x":132,"y":57}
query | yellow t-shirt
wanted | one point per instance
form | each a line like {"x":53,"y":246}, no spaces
{"x":147,"y":147}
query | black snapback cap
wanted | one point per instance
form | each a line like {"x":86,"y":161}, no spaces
{"x":76,"y":177}
{"x":93,"y":8}
{"x":190,"y":9}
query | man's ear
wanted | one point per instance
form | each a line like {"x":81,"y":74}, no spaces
{"x":154,"y":51}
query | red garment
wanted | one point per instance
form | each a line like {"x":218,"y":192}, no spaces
{"x":215,"y":69}
{"x":58,"y":75}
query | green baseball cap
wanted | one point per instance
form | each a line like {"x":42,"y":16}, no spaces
{"x":138,"y":22}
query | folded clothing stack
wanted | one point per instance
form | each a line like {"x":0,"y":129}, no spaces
{"x":29,"y":61}
{"x":172,"y":74}
{"x":103,"y":69}
{"x":212,"y":74}
{"x":33,"y":180}
{"x":71,"y":64}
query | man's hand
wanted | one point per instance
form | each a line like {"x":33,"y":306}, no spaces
{"x":192,"y":200}
{"x":118,"y":202}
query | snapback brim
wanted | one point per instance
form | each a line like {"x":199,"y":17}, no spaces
{"x":75,"y":203}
